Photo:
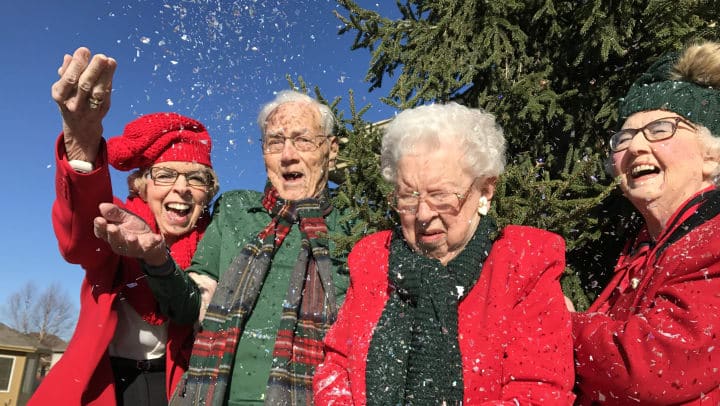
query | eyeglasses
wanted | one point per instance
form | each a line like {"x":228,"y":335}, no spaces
{"x":439,"y":202}
{"x":274,"y":143}
{"x":658,"y":130}
{"x":167,"y":176}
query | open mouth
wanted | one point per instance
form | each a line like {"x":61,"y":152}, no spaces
{"x":290,"y":176}
{"x":644,"y":170}
{"x":179,"y":209}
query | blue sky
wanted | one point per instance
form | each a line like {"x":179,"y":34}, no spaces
{"x":214,"y":60}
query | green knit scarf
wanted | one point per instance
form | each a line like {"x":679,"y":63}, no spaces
{"x":414,"y":355}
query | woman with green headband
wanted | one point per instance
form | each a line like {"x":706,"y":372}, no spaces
{"x":653,"y":335}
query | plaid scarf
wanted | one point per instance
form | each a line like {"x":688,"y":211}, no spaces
{"x":414,"y":356}
{"x":308,"y":310}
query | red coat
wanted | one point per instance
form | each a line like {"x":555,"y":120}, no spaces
{"x":83,"y":375}
{"x":513,"y":327}
{"x":656,"y":340}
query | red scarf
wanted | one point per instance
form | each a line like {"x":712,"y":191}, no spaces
{"x":134,"y":285}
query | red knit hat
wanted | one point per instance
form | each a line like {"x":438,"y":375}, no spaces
{"x":159,"y":137}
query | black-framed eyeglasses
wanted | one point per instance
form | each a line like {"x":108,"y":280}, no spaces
{"x":274,"y":143}
{"x":657,"y":130}
{"x":168,"y":176}
{"x":440,"y":202}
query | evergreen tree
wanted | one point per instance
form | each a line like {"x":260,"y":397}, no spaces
{"x":551,"y":71}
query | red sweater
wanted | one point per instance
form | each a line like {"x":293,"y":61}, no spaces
{"x":83,"y":375}
{"x":656,"y":340}
{"x":513,"y":327}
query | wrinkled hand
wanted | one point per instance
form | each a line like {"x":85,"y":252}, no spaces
{"x":129,"y":235}
{"x":83,"y":96}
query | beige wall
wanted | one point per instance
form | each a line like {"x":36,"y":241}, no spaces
{"x":11,"y":398}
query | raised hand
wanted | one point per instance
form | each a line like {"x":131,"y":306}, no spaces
{"x":128,"y":235}
{"x":83,"y":96}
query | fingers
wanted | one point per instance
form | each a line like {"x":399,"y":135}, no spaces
{"x":102,"y":89}
{"x":128,"y":222}
{"x":207,"y":287}
{"x":99,"y":67}
{"x":121,"y":239}
{"x":111,"y":233}
{"x":85,"y":83}
{"x":121,"y":243}
{"x":106,"y":223}
{"x":72,"y":68}
{"x":94,"y":85}
{"x":100,"y":227}
{"x":107,"y":229}
{"x":66,"y":62}
{"x":111,"y":212}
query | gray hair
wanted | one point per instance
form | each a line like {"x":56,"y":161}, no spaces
{"x":475,"y":131}
{"x":711,"y":144}
{"x":708,"y":142}
{"x":327,"y":118}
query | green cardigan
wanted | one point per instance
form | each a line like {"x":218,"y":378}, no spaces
{"x":238,"y":216}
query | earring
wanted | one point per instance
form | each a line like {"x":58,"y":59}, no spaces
{"x":484,"y":206}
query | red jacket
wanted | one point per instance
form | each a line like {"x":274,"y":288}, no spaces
{"x":83,"y":375}
{"x":513,"y":327}
{"x":653,"y":335}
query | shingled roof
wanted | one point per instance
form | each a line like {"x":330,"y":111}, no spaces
{"x":10,"y":337}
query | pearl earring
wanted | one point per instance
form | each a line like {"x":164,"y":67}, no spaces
{"x":484,"y":206}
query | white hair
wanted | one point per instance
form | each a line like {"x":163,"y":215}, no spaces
{"x":711,"y":145}
{"x":327,"y":119}
{"x":474,"y":131}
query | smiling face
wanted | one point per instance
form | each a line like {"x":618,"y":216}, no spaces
{"x":298,"y":174}
{"x":437,"y":170}
{"x":657,"y":177}
{"x":176,"y":207}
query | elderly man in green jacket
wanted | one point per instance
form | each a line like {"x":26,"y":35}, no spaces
{"x":263,"y":282}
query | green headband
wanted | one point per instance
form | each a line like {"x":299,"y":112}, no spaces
{"x":654,"y":90}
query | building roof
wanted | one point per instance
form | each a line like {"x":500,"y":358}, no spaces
{"x":10,"y":337}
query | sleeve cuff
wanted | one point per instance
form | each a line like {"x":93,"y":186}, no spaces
{"x":165,"y":269}
{"x":81,"y":166}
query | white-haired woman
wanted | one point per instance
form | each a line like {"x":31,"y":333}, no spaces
{"x":652,"y":336}
{"x":447,"y":309}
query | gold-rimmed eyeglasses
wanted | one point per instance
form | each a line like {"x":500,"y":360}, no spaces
{"x":440,"y":202}
{"x":656,"y":130}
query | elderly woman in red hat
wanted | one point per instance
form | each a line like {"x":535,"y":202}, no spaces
{"x":652,"y":337}
{"x":123,"y":350}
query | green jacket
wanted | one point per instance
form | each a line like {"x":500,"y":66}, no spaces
{"x":238,"y":217}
